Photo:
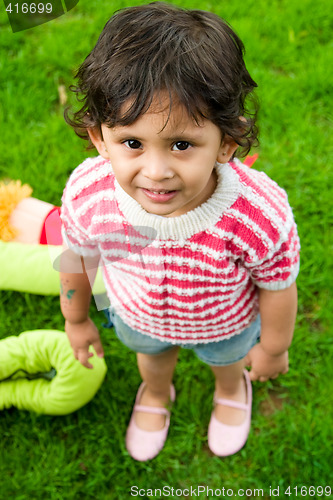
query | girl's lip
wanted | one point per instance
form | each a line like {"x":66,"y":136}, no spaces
{"x":159,"y":197}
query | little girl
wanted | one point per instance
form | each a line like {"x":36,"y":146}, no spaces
{"x":198,"y":250}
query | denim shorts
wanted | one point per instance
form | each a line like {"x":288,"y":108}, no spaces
{"x":224,"y":352}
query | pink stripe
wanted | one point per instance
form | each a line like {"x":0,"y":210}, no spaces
{"x":175,"y":309}
{"x":259,"y":176}
{"x":257,"y":216}
{"x":248,"y":237}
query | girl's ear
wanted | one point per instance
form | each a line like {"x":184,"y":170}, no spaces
{"x":227,"y":150}
{"x":96,"y":138}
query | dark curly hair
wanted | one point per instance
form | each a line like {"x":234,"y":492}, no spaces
{"x":193,"y":55}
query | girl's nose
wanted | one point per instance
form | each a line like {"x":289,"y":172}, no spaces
{"x":157,"y":167}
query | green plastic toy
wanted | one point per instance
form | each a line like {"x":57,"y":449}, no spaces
{"x":39,"y":373}
{"x":28,"y":268}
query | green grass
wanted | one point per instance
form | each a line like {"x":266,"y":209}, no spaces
{"x":82,"y":456}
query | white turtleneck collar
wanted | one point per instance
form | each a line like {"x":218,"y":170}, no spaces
{"x":184,"y":226}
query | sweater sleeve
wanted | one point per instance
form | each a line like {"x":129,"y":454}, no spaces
{"x":76,"y":215}
{"x":280,"y":266}
{"x":274,"y":265}
{"x":263,"y":230}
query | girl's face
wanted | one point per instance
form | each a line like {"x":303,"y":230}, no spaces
{"x":165,"y":160}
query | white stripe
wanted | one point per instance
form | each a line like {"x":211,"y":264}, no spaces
{"x":141,"y":264}
{"x":89,"y":178}
{"x":252,"y":225}
{"x":263,"y":182}
{"x":167,"y":329}
{"x":208,"y":303}
{"x":147,"y":277}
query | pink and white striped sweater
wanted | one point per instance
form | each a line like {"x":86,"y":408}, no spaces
{"x":187,"y":279}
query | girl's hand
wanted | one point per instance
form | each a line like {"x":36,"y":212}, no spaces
{"x":81,"y":336}
{"x":265,"y":366}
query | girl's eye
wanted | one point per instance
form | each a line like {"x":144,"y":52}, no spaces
{"x":133,"y":144}
{"x":181,"y":146}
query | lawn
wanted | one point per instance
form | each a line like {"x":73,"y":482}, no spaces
{"x":82,"y":456}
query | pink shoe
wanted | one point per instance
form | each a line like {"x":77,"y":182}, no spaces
{"x":144,"y":445}
{"x":225,"y":440}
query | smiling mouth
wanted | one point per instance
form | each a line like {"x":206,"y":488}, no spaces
{"x":162,"y":195}
{"x":161,"y":192}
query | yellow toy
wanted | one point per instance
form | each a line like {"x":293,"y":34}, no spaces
{"x":30,"y":241}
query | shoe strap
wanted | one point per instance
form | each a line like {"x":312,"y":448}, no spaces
{"x":152,"y":409}
{"x":231,"y":404}
{"x":237,"y":404}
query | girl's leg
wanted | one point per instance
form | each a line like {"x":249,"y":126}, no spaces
{"x":230,"y":384}
{"x":157,"y":372}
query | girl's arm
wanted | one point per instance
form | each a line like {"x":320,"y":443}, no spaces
{"x":75,"y":297}
{"x":278,"y":311}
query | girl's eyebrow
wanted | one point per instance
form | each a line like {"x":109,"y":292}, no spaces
{"x":190,"y":134}
{"x":124,"y":133}
{"x":183,"y":136}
